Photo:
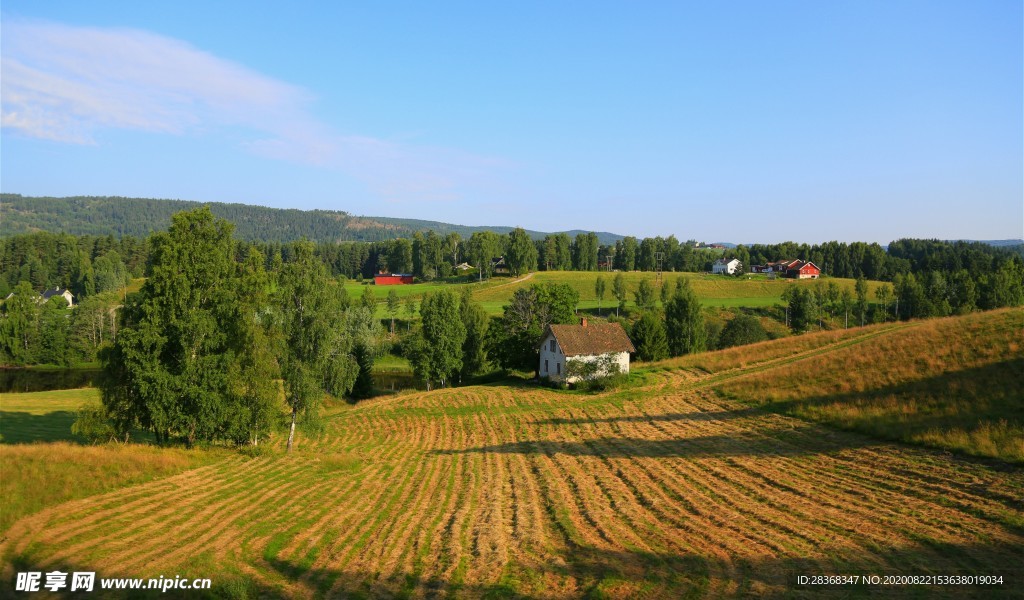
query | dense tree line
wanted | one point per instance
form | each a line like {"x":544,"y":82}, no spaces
{"x":927,"y":293}
{"x":34,"y":332}
{"x":85,"y":264}
{"x":928,"y":277}
{"x":89,"y":264}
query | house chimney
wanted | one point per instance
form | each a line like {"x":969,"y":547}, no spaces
{"x":584,"y":322}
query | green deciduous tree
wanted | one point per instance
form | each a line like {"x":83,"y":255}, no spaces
{"x":369,"y":340}
{"x":1004,"y":287}
{"x":368,"y":300}
{"x":169,"y":370}
{"x":513,"y":338}
{"x":442,"y":334}
{"x":410,"y":312}
{"x":521,"y":256}
{"x":54,"y":332}
{"x":883,"y":294}
{"x":644,"y":295}
{"x":393,"y":305}
{"x":110,"y":272}
{"x":475,"y":320}
{"x":599,"y":288}
{"x":254,"y":404}
{"x":619,"y":291}
{"x":84,"y":278}
{"x":316,"y":353}
{"x":483,"y":247}
{"x":740,"y":330}
{"x":19,"y":329}
{"x":684,"y":321}
{"x":846,"y":302}
{"x":861,"y":305}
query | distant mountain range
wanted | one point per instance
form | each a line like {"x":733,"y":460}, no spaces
{"x":999,"y":243}
{"x":138,"y":217}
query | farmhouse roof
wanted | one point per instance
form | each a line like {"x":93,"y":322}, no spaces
{"x":57,"y":291}
{"x":591,"y":338}
{"x":800,"y":264}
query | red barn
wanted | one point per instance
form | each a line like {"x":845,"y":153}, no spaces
{"x":803,"y":270}
{"x":391,"y":279}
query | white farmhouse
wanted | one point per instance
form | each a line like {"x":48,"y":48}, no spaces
{"x":57,"y":291}
{"x":726,"y":267}
{"x":564,"y":345}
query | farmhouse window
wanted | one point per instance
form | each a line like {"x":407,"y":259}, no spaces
{"x":552,"y":345}
{"x":546,"y":366}
{"x":559,"y":367}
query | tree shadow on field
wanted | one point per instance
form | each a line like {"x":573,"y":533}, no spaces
{"x":26,"y":428}
{"x":763,"y":442}
{"x":590,"y":572}
{"x":580,"y":571}
{"x":964,"y":400}
{"x":697,"y":416}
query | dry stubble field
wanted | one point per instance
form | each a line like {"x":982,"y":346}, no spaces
{"x":665,"y":489}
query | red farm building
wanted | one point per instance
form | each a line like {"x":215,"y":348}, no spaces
{"x":803,"y":270}
{"x":391,"y":279}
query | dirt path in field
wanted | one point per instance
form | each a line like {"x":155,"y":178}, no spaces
{"x":526,"y":277}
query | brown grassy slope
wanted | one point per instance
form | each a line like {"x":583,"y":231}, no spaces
{"x":954,"y":383}
{"x":39,"y":475}
{"x":664,"y":491}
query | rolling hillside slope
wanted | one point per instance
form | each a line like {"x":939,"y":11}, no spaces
{"x":662,"y":489}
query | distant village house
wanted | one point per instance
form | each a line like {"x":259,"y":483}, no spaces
{"x":793,"y":269}
{"x":601,"y":343}
{"x":726,"y":266}
{"x":47,"y":294}
{"x":58,"y":291}
{"x":498,"y":266}
{"x":803,"y":270}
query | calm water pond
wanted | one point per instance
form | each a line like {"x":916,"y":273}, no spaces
{"x":32,"y":380}
{"x":393,"y":382}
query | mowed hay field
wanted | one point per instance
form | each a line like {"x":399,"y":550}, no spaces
{"x":664,"y":489}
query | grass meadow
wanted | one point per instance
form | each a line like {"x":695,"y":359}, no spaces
{"x":955,"y":383}
{"x":44,"y":464}
{"x":754,"y":291}
{"x":690,"y":481}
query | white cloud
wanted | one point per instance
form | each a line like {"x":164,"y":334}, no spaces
{"x":65,"y":83}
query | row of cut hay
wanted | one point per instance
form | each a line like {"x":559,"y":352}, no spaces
{"x":662,"y":490}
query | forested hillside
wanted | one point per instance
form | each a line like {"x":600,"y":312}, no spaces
{"x":138,"y":217}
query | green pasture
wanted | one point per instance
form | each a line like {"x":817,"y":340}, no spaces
{"x":42,"y":416}
{"x":748,"y":291}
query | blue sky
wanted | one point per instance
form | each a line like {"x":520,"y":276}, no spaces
{"x":718,"y":121}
